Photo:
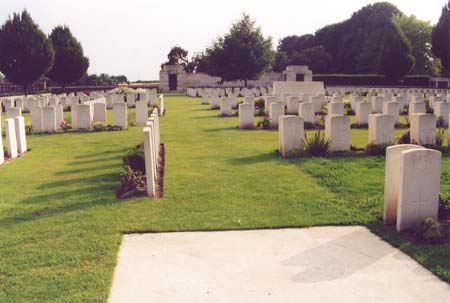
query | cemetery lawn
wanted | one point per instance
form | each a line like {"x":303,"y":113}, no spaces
{"x":61,"y":225}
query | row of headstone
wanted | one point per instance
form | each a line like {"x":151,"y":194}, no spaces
{"x":228,"y":92}
{"x":16,"y":142}
{"x":152,"y":141}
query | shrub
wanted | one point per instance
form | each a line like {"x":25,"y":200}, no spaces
{"x":99,"y":126}
{"x":65,"y":126}
{"x":377,"y":149}
{"x":131,"y":183}
{"x":429,"y":231}
{"x":135,"y":159}
{"x":265,"y":123}
{"x":317,"y":146}
{"x":444,"y":207}
{"x":260,"y":112}
{"x":350,"y":112}
{"x":440,"y":137}
{"x":259,"y":103}
{"x":405,"y":138}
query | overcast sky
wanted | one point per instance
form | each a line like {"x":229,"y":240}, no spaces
{"x":133,"y":37}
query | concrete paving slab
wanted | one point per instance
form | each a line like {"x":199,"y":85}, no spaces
{"x":323,"y":264}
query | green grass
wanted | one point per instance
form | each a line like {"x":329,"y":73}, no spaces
{"x":61,"y":225}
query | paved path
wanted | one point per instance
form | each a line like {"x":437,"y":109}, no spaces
{"x":324,"y":264}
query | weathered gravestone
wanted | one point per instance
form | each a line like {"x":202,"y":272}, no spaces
{"x":419,"y":187}
{"x":381,"y":129}
{"x":423,"y":129}
{"x":19,"y":125}
{"x":141,"y":113}
{"x":363,"y":110}
{"x":292,"y":105}
{"x":442,"y":112}
{"x":291,"y":134}
{"x":225,"y":106}
{"x":149,"y":162}
{"x":337,"y":130}
{"x":11,"y":140}
{"x":335,"y":108}
{"x":276,"y":110}
{"x":392,"y":108}
{"x":120,"y":115}
{"x":306,"y":111}
{"x":393,"y":170}
{"x":49,"y":119}
{"x":99,"y":112}
{"x":246,"y":116}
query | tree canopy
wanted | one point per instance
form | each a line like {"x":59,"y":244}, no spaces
{"x":441,"y":40}
{"x":26,"y":53}
{"x":70,"y":63}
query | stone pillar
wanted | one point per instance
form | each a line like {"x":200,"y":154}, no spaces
{"x":392,"y":108}
{"x":419,"y":187}
{"x":120,"y":115}
{"x":306,"y":111}
{"x":392,"y":180}
{"x":381,"y":129}
{"x":377,"y":104}
{"x":291,"y":135}
{"x":337,"y":130}
{"x":276,"y":110}
{"x":100,"y":112}
{"x":226,"y":106}
{"x":149,"y":162}
{"x":423,"y":129}
{"x":335,"y":108}
{"x":292,"y":105}
{"x":442,"y":111}
{"x":246,"y":116}
{"x":11,"y":141}
{"x":363,"y":110}
{"x":161,"y":105}
{"x":141,"y":113}
{"x":19,"y":125}
{"x":49,"y":119}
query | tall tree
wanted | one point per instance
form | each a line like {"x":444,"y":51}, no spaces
{"x":441,"y":40}
{"x":396,"y":57}
{"x":418,"y":33}
{"x":26,"y":53}
{"x":70,"y":64}
{"x":242,"y":54}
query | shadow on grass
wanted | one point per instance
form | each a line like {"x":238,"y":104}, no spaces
{"x":98,"y":160}
{"x":109,"y":152}
{"x":86,"y":170}
{"x":89,"y":180}
{"x":254,"y":159}
{"x":221,"y":129}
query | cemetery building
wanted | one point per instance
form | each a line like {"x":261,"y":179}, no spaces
{"x":173,"y":78}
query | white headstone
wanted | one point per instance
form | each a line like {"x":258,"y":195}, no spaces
{"x":442,"y":112}
{"x":19,"y":125}
{"x":49,"y":119}
{"x":276,"y":110}
{"x":423,"y":129}
{"x":291,"y":135}
{"x":419,"y":187}
{"x":11,"y":141}
{"x":363,"y":110}
{"x":141,"y":113}
{"x":392,"y":108}
{"x":306,"y":111}
{"x":120,"y":115}
{"x":100,"y":112}
{"x":381,"y":129}
{"x":246,"y":116}
{"x":337,"y":130}
{"x":149,"y":162}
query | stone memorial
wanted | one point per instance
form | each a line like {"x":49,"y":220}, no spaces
{"x":226,"y":105}
{"x":363,"y":110}
{"x":276,"y":110}
{"x":335,"y":108}
{"x":141,"y":113}
{"x":149,"y":162}
{"x":11,"y":141}
{"x":292,"y":105}
{"x":442,"y":112}
{"x":306,"y":111}
{"x":100,"y":112}
{"x":120,"y":115}
{"x":49,"y":119}
{"x":246,"y":116}
{"x":19,"y":125}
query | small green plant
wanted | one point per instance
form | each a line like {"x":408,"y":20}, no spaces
{"x":132,"y":182}
{"x":135,"y":158}
{"x":444,"y":207}
{"x":317,"y":145}
{"x":260,"y":112}
{"x":99,"y":126}
{"x":440,"y":137}
{"x":430,"y":231}
{"x":265,"y":123}
{"x":259,"y":103}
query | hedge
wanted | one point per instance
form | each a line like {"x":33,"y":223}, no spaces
{"x":372,"y":80}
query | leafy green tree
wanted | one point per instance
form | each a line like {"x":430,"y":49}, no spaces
{"x":26,"y":53}
{"x":419,"y":34}
{"x":177,"y":56}
{"x":242,"y":54}
{"x":70,"y":64}
{"x":441,"y":40}
{"x":396,"y":58}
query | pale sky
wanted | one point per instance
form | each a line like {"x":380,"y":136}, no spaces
{"x":133,"y":37}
